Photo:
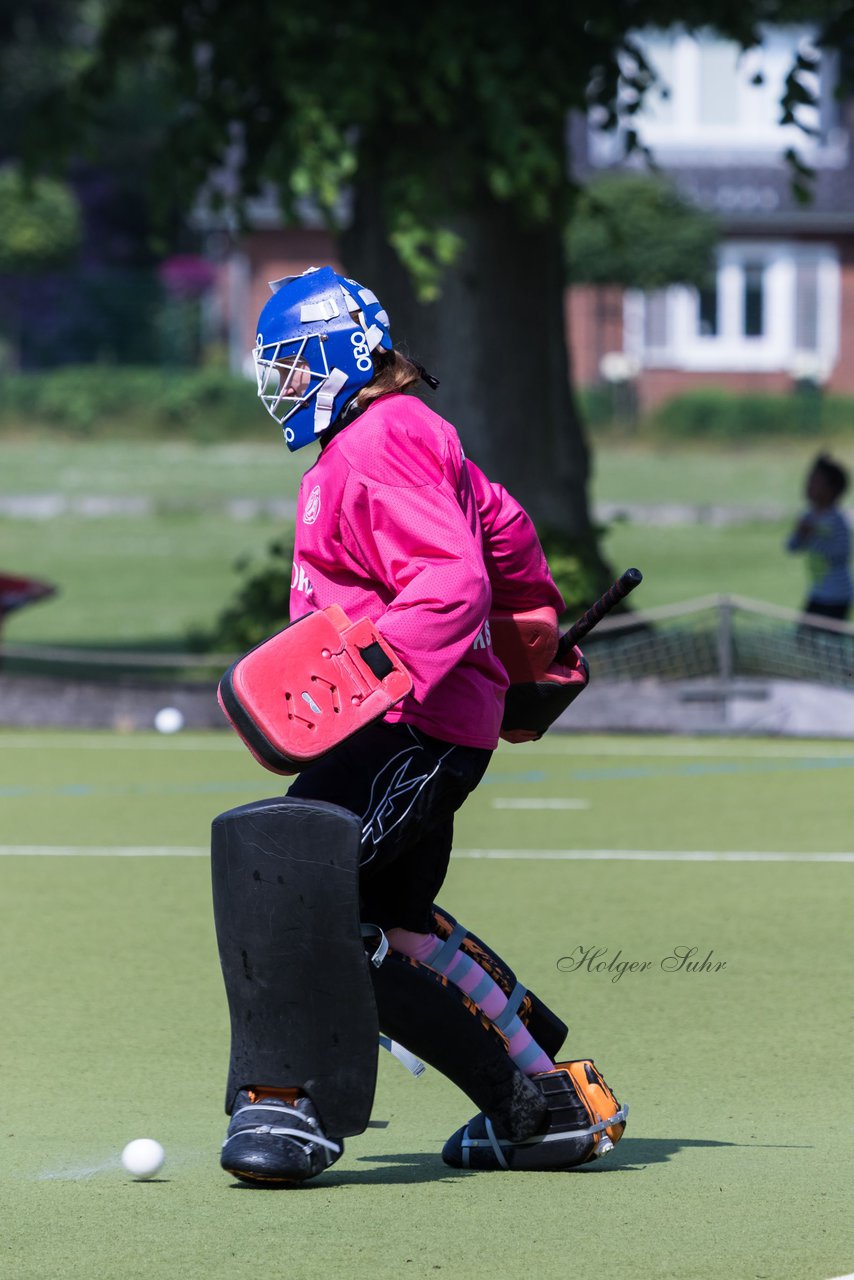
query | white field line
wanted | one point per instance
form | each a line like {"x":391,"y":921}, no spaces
{"x":509,"y":855}
{"x":648,"y":855}
{"x":103,"y":851}
{"x":542,"y":803}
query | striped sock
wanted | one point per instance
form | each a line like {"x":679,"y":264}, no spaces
{"x":476,"y":983}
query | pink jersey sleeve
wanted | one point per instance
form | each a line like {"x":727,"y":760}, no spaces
{"x":517,"y":568}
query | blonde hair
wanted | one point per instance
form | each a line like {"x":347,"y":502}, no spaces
{"x":392,"y":373}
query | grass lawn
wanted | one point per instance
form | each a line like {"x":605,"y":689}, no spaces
{"x":176,"y":473}
{"x":734,"y":1163}
{"x":145,"y":580}
{"x":765,"y":475}
{"x":139,"y":582}
{"x":696,"y":560}
{"x":623,"y":471}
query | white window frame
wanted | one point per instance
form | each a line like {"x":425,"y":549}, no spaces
{"x":731,"y":350}
{"x":756,"y":130}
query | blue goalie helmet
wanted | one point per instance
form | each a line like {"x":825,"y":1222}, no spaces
{"x":313,"y":352}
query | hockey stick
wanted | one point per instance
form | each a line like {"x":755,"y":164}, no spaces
{"x":597,"y":611}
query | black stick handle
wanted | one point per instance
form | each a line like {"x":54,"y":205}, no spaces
{"x":615,"y":593}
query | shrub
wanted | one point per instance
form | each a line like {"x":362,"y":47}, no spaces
{"x":712,"y":413}
{"x":578,"y":570}
{"x":258,"y":608}
{"x":105,"y":400}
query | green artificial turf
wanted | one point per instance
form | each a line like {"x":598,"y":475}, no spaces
{"x":736,"y":1161}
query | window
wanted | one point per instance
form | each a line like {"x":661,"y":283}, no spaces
{"x":711,"y":94}
{"x":655,"y":321}
{"x":753,"y":325}
{"x":769,"y":305}
{"x":717,"y":98}
{"x":708,"y":311}
{"x":806,"y":305}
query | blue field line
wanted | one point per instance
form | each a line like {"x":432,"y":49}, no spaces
{"x":88,"y":791}
{"x":502,"y":779}
{"x":621,"y":773}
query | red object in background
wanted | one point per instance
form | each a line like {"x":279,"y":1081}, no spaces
{"x":186,"y":275}
{"x":17,"y":592}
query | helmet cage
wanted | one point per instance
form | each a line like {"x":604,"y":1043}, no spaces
{"x":276,"y":364}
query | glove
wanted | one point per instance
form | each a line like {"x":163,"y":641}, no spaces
{"x":546,"y":673}
{"x":531,"y":708}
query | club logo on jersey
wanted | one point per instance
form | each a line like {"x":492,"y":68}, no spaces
{"x":483,"y":639}
{"x":312,"y":507}
{"x":300,"y":580}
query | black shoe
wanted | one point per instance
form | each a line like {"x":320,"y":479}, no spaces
{"x":276,"y":1144}
{"x":583,"y":1121}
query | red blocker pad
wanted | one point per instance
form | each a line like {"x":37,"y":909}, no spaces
{"x":541,"y":686}
{"x":297,"y":695}
{"x":524,"y":643}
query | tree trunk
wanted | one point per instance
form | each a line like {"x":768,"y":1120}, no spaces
{"x":496,"y":340}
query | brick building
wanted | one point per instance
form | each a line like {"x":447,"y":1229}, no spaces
{"x":782,"y":305}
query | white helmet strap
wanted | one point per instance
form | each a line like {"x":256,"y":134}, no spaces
{"x":324,"y":399}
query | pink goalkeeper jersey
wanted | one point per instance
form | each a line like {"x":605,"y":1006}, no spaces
{"x":394,"y":524}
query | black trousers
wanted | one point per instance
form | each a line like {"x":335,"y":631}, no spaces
{"x":406,"y":787}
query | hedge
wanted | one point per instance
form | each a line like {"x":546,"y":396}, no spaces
{"x":209,"y":404}
{"x":714,"y":414}
{"x":91,"y":401}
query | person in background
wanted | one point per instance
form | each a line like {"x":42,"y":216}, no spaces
{"x":823,"y":534}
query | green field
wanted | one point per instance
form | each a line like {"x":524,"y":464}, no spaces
{"x":737,"y":1158}
{"x":146,"y":580}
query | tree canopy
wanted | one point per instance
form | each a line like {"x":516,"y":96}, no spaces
{"x":451,"y":102}
{"x":39,"y":223}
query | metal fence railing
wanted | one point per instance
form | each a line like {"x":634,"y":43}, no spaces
{"x":724,"y":637}
{"x":110,"y":665}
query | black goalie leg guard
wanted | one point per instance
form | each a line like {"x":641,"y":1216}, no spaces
{"x":545,"y":1027}
{"x":286,"y":908}
{"x":434,"y":1020}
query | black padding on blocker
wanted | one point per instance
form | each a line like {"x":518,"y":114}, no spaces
{"x":377,"y":659}
{"x":286,"y":907}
